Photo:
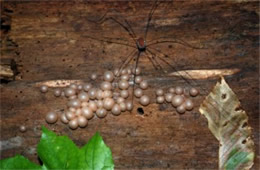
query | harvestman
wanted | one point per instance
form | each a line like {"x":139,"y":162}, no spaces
{"x":141,"y":46}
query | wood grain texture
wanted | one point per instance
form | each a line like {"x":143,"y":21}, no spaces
{"x":47,"y":41}
{"x":7,"y":69}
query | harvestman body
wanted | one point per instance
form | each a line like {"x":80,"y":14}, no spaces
{"x":141,"y":45}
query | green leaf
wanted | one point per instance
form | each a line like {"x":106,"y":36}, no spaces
{"x":97,"y":154}
{"x":57,"y":151}
{"x":18,"y":162}
{"x":60,"y":152}
{"x":229,"y":124}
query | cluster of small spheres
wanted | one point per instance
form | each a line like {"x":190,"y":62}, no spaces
{"x":86,"y":101}
{"x":178,"y":97}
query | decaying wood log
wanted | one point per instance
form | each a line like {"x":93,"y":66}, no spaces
{"x":48,"y":39}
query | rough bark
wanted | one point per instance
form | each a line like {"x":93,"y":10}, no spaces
{"x":47,"y":41}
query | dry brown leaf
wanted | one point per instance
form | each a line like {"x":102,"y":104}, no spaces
{"x":229,"y":124}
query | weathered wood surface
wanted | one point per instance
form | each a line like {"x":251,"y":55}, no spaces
{"x":7,"y":69}
{"x":46,"y":39}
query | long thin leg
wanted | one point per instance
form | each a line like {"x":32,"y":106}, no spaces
{"x":154,"y":65}
{"x":150,"y":18}
{"x":204,"y":90}
{"x":155,"y":59}
{"x":136,"y":65}
{"x":129,"y":32}
{"x":155,"y":62}
{"x":108,"y":41}
{"x":104,"y":18}
{"x":119,"y":14}
{"x":167,"y":63}
{"x":127,"y":61}
{"x":120,"y":39}
{"x":131,"y":29}
{"x":163,"y":70}
{"x":172,"y":40}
